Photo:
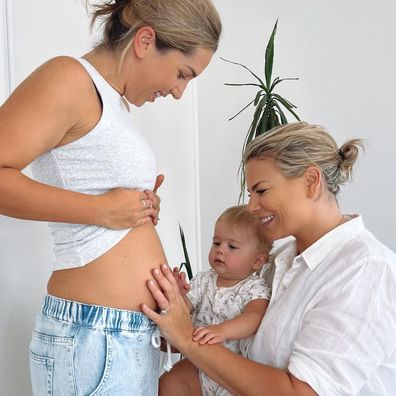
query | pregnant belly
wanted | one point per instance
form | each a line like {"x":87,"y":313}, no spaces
{"x":118,"y":278}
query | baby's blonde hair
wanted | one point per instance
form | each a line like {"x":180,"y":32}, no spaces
{"x":239,"y":216}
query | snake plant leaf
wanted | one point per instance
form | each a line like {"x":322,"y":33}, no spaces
{"x":242,"y":85}
{"x":274,"y":119}
{"x":281,"y":114}
{"x":256,"y":119}
{"x":187,"y":263}
{"x":287,"y":102}
{"x":269,"y":56}
{"x":240,"y":111}
{"x":263,"y":125}
{"x":258,"y":96}
{"x":240,"y":64}
{"x":279,"y":80}
{"x":287,"y":105}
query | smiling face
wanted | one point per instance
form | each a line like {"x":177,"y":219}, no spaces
{"x":235,"y":253}
{"x":166,"y":73}
{"x":280,"y":202}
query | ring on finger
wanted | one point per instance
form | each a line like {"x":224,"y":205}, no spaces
{"x":164,"y":311}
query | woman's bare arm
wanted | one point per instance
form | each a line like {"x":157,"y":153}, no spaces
{"x":48,"y":105}
{"x":238,"y":375}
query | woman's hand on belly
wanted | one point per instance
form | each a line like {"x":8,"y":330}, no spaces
{"x":119,"y":277}
{"x":124,"y":208}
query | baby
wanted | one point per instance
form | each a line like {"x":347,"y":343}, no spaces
{"x":228,"y":302}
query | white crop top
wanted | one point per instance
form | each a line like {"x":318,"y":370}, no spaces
{"x":113,"y":154}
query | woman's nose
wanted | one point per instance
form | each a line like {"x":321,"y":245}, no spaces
{"x":177,"y":92}
{"x":252,"y":205}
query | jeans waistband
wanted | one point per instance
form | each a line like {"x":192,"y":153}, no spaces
{"x":96,"y":316}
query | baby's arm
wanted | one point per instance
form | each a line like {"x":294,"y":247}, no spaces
{"x":242,"y":326}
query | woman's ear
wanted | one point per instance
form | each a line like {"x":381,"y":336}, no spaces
{"x":261,"y":259}
{"x":143,"y":41}
{"x":313,"y":182}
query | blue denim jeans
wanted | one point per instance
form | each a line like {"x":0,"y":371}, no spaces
{"x":80,"y":349}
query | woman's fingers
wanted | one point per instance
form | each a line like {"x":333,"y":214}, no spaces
{"x":146,"y":203}
{"x":154,"y":316}
{"x":162,"y":301}
{"x":165,"y":278}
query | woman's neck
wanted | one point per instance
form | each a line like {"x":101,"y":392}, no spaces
{"x":324,"y":218}
{"x":107,"y":63}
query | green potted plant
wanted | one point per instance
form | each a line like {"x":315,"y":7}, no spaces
{"x":270,"y":108}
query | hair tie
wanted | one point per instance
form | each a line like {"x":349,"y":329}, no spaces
{"x":341,"y":154}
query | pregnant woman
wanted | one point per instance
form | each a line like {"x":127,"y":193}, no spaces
{"x":95,"y":184}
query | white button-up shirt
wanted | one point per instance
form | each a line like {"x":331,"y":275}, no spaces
{"x":331,"y":321}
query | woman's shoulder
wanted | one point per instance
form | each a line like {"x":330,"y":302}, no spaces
{"x":363,"y":246}
{"x":62,"y":71}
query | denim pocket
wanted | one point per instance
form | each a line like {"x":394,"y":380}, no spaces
{"x":47,"y":352}
{"x":93,"y":357}
{"x":42,"y":370}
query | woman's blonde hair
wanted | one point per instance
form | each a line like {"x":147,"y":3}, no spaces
{"x":296,"y":146}
{"x":239,"y":216}
{"x":184,"y":25}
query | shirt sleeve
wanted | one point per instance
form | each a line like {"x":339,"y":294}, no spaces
{"x":255,"y":289}
{"x":353,"y":321}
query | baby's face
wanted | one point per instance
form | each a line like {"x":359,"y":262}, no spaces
{"x":234,"y":253}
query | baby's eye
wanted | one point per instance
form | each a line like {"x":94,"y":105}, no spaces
{"x":232,"y":247}
{"x":215,"y":243}
{"x":181,"y":76}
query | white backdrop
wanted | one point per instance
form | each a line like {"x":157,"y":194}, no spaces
{"x":343,"y":53}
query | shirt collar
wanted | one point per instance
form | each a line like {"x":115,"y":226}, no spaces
{"x":334,"y":239}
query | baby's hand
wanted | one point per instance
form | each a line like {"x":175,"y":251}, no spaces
{"x":211,"y":335}
{"x":181,"y":281}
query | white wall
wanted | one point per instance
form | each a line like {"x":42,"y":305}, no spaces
{"x":39,"y":30}
{"x":344,"y":55}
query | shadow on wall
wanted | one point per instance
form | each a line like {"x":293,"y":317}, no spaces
{"x":24,"y":270}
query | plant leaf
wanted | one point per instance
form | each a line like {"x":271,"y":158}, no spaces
{"x":263,"y":125}
{"x":281,"y":113}
{"x":273,"y":117}
{"x":279,"y":80}
{"x":240,"y":111}
{"x":287,"y":105}
{"x":187,"y":263}
{"x":239,"y":64}
{"x":242,"y":85}
{"x":269,"y":56}
{"x":256,"y":121}
{"x":284,"y":101}
{"x":258,"y":96}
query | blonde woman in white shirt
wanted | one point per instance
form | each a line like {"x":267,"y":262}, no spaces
{"x":331,"y":322}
